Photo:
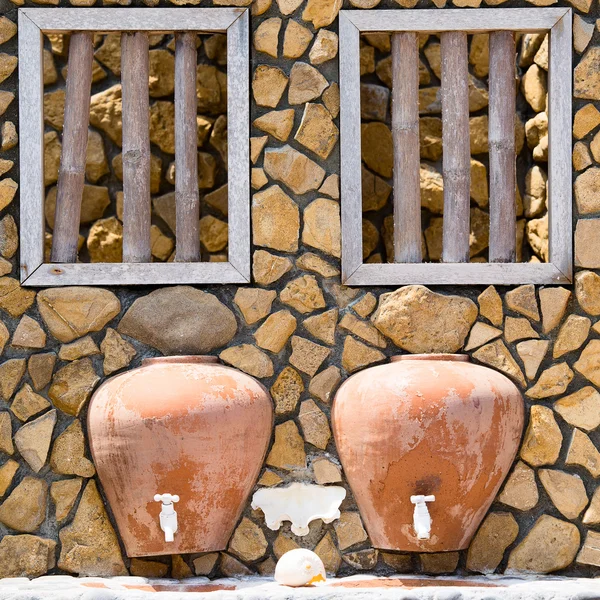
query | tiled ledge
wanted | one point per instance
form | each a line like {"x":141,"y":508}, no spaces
{"x":363,"y":587}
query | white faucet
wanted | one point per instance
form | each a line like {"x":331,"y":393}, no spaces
{"x":168,"y":516}
{"x":421,"y":516}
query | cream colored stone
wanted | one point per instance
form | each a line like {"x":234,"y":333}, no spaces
{"x":275,"y":220}
{"x":325,"y":47}
{"x":33,"y":440}
{"x":307,"y":356}
{"x":520,"y":490}
{"x":322,"y":227}
{"x":590,"y":551}
{"x":295,"y":39}
{"x":321,"y":12}
{"x":11,"y":373}
{"x":331,"y":186}
{"x":322,"y":326}
{"x":323,"y":385}
{"x":583,"y":452}
{"x":294,"y":169}
{"x":315,"y":425}
{"x":312,"y":262}
{"x":572,"y":335}
{"x":496,"y":534}
{"x":518,"y":329}
{"x":582,"y":33}
{"x":581,"y":409}
{"x":277,"y":123}
{"x":543,"y":438}
{"x":256,"y":147}
{"x":532,"y":352}
{"x":268,"y":85}
{"x":303,"y":294}
{"x":274,"y":333}
{"x":553,"y":303}
{"x":587,"y":290}
{"x":566,"y":491}
{"x":490,"y":306}
{"x":106,"y":113}
{"x":7,"y":473}
{"x":249,"y":359}
{"x":581,"y":157}
{"x":589,"y":362}
{"x":306,"y":83}
{"x":287,"y":452}
{"x":481,"y":334}
{"x":25,"y":509}
{"x":317,"y":131}
{"x":326,"y":471}
{"x":28,"y":334}
{"x":357,"y":355}
{"x":254,"y":304}
{"x":552,"y":382}
{"x":592,"y":514}
{"x":268,"y":268}
{"x":286,"y":391}
{"x":586,"y":83}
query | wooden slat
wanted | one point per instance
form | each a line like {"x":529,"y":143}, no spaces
{"x":351,"y":184}
{"x":31,"y":147}
{"x":560,"y":188}
{"x":187,"y":197}
{"x":468,"y":20}
{"x":456,"y":146}
{"x":405,"y":134}
{"x":164,"y":20}
{"x":74,"y":144}
{"x":136,"y":147}
{"x":501,"y":135}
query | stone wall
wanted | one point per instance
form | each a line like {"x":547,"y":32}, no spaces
{"x":300,"y":332}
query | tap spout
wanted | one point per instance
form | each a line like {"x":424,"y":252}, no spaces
{"x":421,"y":516}
{"x":168,"y":516}
{"x":168,"y":534}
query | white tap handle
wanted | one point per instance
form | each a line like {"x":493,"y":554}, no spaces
{"x":166,"y":498}
{"x":418,"y":499}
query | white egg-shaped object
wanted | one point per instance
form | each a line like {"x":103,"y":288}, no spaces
{"x":299,"y":567}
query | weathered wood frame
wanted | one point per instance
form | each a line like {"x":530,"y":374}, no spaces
{"x":35,"y":21}
{"x":556,"y":21}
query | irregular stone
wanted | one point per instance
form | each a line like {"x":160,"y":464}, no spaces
{"x":268,"y":268}
{"x":11,"y":373}
{"x":89,"y":544}
{"x":275,"y":220}
{"x":324,"y":384}
{"x":94,"y":203}
{"x":331,"y":99}
{"x":532,"y":352}
{"x":315,"y":425}
{"x":28,"y":334}
{"x":117,"y":352}
{"x":303,"y":294}
{"x":96,"y":164}
{"x":54,"y":102}
{"x":362,"y":560}
{"x":10,"y":137}
{"x":5,"y":100}
{"x":327,"y":551}
{"x":162,"y":246}
{"x":583,"y":452}
{"x":553,"y":302}
{"x":248,"y":541}
{"x":295,"y":39}
{"x":312,"y":262}
{"x":590,"y":551}
{"x":27,"y":403}
{"x":401,"y":563}
{"x":370,"y":237}
{"x":64,"y":494}
{"x":254,"y":304}
{"x":26,"y":556}
{"x":537,"y":236}
{"x":231,"y":567}
{"x":71,"y":312}
{"x":306,"y":84}
{"x":331,"y":186}
{"x":582,"y":33}
{"x":325,"y":47}
{"x":307,"y":356}
{"x":33,"y":440}
{"x":277,"y":123}
{"x":321,"y":12}
{"x":357,"y":355}
{"x":559,"y":539}
{"x":266,"y":36}
{"x":269,"y":479}
{"x":322,"y":227}
{"x":7,"y":473}
{"x":78,"y":349}
{"x":566,"y":491}
{"x":520,"y":490}
{"x":375,"y":191}
{"x":496,"y":534}
{"x":180,"y":320}
{"x":286,"y":391}
{"x":6,"y":443}
{"x":589,"y":362}
{"x":287,"y":451}
{"x":25,"y":509}
{"x":586,"y":82}
{"x":440,"y":562}
{"x":377,"y":148}
{"x":283,"y":544}
{"x":349,"y":530}
{"x":8,"y":29}
{"x":105,"y":241}
{"x":9,"y":237}
{"x":592,"y":514}
{"x":317,"y":131}
{"x":543,"y":439}
{"x":203,"y":565}
{"x":8,"y":189}
{"x":581,"y":157}
{"x":365,"y":306}
{"x":421,"y":321}
{"x":534,"y":87}
{"x":40,"y":367}
{"x":572,"y":335}
{"x":274,"y":333}
{"x":326,"y":471}
{"x":155,"y":171}
{"x":268,"y":85}
{"x":587,"y":290}
{"x":481,"y":334}
{"x":249,"y":359}
{"x":490,"y":306}
{"x":586,"y":119}
{"x":581,"y":409}
{"x":294,"y":169}
{"x":363,"y":330}
{"x":106,"y":113}
{"x":522,"y":300}
{"x":496,"y":355}
{"x":179,"y":568}
{"x":518,"y":329}
{"x":211,"y":90}
{"x":149,"y":568}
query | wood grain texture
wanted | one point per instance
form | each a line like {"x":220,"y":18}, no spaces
{"x":560,"y":226}
{"x":136,"y":147}
{"x":71,"y":173}
{"x":468,"y":20}
{"x":238,"y":149}
{"x":187,"y":196}
{"x":456,"y":147}
{"x":350,"y":133}
{"x":105,"y":20}
{"x":31,"y":147}
{"x":405,"y":135}
{"x":501,"y":136}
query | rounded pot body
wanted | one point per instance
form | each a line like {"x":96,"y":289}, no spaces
{"x":426,"y":425}
{"x":186,"y":426}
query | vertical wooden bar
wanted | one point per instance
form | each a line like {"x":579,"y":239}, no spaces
{"x":405,"y":133}
{"x":455,"y":139}
{"x":187,"y":197}
{"x":501,"y":135}
{"x":136,"y":147}
{"x":74,"y":144}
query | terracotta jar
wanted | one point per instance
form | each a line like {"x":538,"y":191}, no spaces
{"x":426,"y":425}
{"x":183,"y":425}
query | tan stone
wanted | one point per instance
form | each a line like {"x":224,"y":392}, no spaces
{"x":481,"y":334}
{"x":357,"y":355}
{"x":303,"y":294}
{"x":5,"y":166}
{"x":590,"y":551}
{"x":78,"y":349}
{"x":89,"y":544}
{"x":8,"y":189}
{"x":64,"y":494}
{"x":277,"y":123}
{"x":322,"y":326}
{"x":249,"y":359}
{"x":375,"y":191}
{"x":592,"y":514}
{"x":322,"y":227}
{"x":331,"y":186}
{"x":28,"y":334}
{"x":307,"y":356}
{"x":363,"y":330}
{"x":365,"y":306}
{"x":327,"y":551}
{"x":522,"y":300}
{"x":286,"y":391}
{"x":518,"y":329}
{"x":582,"y":33}
{"x":72,"y":386}
{"x":586,"y":83}
{"x":33,"y":440}
{"x":27,"y":403}
{"x":370,"y":237}
{"x":553,"y":302}
{"x":5,"y":100}
{"x":581,"y":157}
{"x":274,"y":333}
{"x":312,"y":262}
{"x":321,"y":12}
{"x":581,"y":409}
{"x":295,"y":39}
{"x":534,"y":87}
{"x":572,"y":335}
{"x":439,"y":562}
{"x":275,"y":220}
{"x":537,"y":236}
{"x":287,"y":451}
{"x":349,"y":530}
{"x":268,"y":268}
{"x":534,"y":200}
{"x":587,"y":290}
{"x":26,"y":556}
{"x":315,"y":425}
{"x":566,"y":491}
{"x":254,"y":304}
{"x":325,"y":47}
{"x":401,"y":563}
{"x":496,"y":534}
{"x":583,"y":452}
{"x":9,"y":237}
{"x":117,"y":352}
{"x":490,"y":305}
{"x":40,"y":367}
{"x":294,"y":169}
{"x":6,"y":443}
{"x":532,"y":352}
{"x":419,"y":320}
{"x":248,"y":541}
{"x":266,"y":36}
{"x":7,"y":30}
{"x":559,"y":539}
{"x":306,"y":83}
{"x":283,"y":544}
{"x":543,"y":439}
{"x":211,"y":90}
{"x":268,"y":85}
{"x":10,"y":137}
{"x":231,"y":567}
{"x":331,"y":99}
{"x":203,"y":565}
{"x":586,"y":119}
{"x":317,"y":131}
{"x":105,"y":241}
{"x":326,"y":471}
{"x":362,"y":560}
{"x":7,"y":473}
{"x":324,"y":384}
{"x":377,"y":148}
{"x":269,"y":478}
{"x":149,"y":568}
{"x":25,"y":509}
{"x":11,"y":373}
{"x":520,"y":490}
{"x":106,"y":113}
{"x":589,"y":362}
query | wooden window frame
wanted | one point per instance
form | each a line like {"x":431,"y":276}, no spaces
{"x":33,"y":22}
{"x":556,"y":21}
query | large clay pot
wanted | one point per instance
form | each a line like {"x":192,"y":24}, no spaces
{"x":182,"y":425}
{"x":426,"y":424}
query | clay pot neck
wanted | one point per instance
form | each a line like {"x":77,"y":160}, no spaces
{"x":186,"y":359}
{"x":444,"y":357}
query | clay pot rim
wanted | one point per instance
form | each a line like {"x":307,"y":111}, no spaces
{"x":180,"y":359}
{"x":433,"y":356}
